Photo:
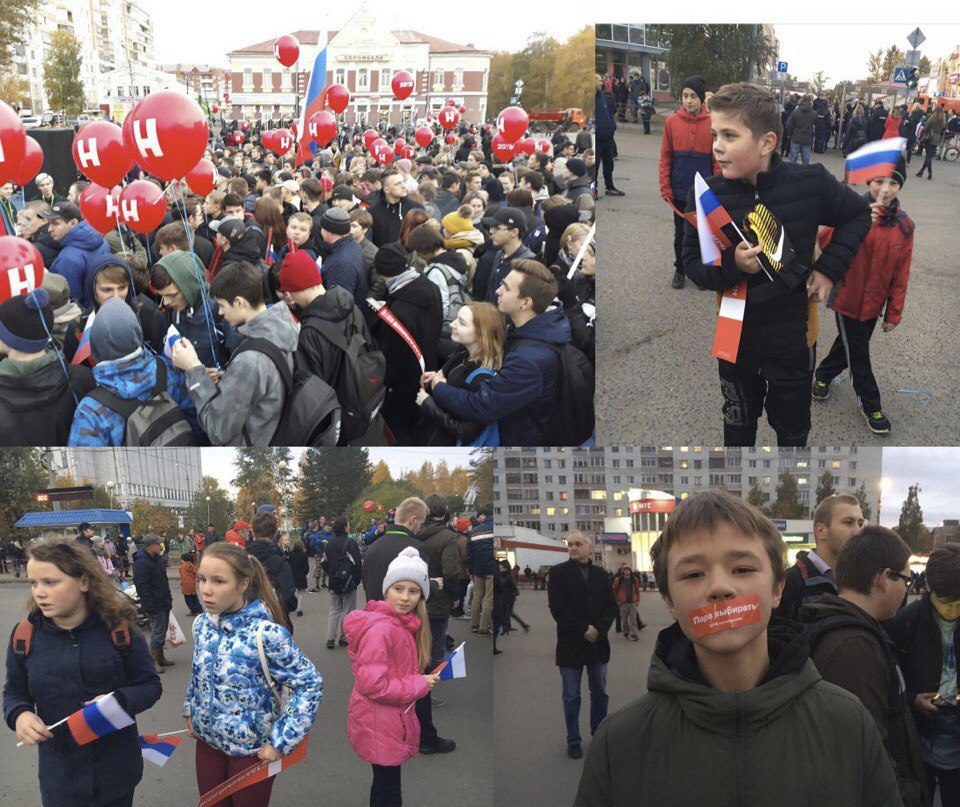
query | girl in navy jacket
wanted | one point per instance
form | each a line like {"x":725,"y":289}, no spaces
{"x":74,"y":656}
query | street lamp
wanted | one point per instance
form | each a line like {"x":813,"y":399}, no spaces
{"x":282,"y":465}
{"x":110,"y":486}
{"x":208,"y":509}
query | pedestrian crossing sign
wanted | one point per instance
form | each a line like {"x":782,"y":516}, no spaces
{"x":900,"y":75}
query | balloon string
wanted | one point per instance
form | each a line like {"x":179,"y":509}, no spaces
{"x":55,"y":348}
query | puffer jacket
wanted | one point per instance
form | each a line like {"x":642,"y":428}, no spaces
{"x":686,"y":150}
{"x":228,"y":700}
{"x":81,"y":246}
{"x":800,"y":124}
{"x":383,"y":654}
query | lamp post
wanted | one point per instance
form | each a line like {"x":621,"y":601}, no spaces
{"x":110,"y":486}
{"x":208,"y":509}
{"x":282,"y":465}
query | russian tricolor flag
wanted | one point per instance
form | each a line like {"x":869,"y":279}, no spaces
{"x":877,"y":158}
{"x":157,"y":750}
{"x":455,"y":666}
{"x":316,"y":99}
{"x":711,"y":219}
{"x":98,"y":719}
{"x":83,"y":349}
{"x":170,"y":340}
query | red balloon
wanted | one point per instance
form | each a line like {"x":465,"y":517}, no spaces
{"x":451,"y":138}
{"x":100,"y":207}
{"x":402,"y":85}
{"x":31,"y":162}
{"x":379,"y":508}
{"x":142,"y":206}
{"x":429,"y":120}
{"x":100,"y":154}
{"x":503,"y":150}
{"x":424,"y":137}
{"x":202,"y":178}
{"x":448,"y":117}
{"x":266,"y":139}
{"x":244,"y":124}
{"x":527,"y":145}
{"x":369,"y":136}
{"x":327,"y":184}
{"x":168,"y":134}
{"x":238,"y":137}
{"x":215,"y":109}
{"x":451,"y":102}
{"x":543,"y":146}
{"x":408,"y":152}
{"x":287,"y":50}
{"x":21,"y":267}
{"x":322,"y":127}
{"x":368,"y":506}
{"x":398,"y":144}
{"x":338,"y":97}
{"x":13,"y":143}
{"x":512,"y":123}
{"x":381,"y":151}
{"x":281,"y":141}
{"x":463,"y":110}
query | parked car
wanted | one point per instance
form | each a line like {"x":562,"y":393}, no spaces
{"x":30,"y":121}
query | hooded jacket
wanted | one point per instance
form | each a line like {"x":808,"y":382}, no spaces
{"x":499,"y":268}
{"x":95,"y":424}
{"x":557,"y":220}
{"x":443,"y":560}
{"x":444,"y":202}
{"x":37,"y":401}
{"x":228,"y":700}
{"x":685,"y":742}
{"x":388,"y":218}
{"x":387,"y":680}
{"x":278,"y":570}
{"x":150,"y":578}
{"x":81,"y":246}
{"x":46,"y":245}
{"x":686,"y":149}
{"x":577,"y":187}
{"x":800,"y":124}
{"x":804,"y":584}
{"x":246,"y":249}
{"x":66,"y":668}
{"x":479,"y":554}
{"x":345,"y":266}
{"x":525,"y":389}
{"x":449,"y":263}
{"x":315,"y":353}
{"x":245,"y":407}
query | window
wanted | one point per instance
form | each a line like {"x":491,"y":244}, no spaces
{"x":363,"y":79}
{"x":629,"y":463}
{"x":561,"y":463}
{"x":645,"y":462}
{"x":340,"y":76}
{"x":548,"y":463}
{"x":438,"y":76}
{"x":618,"y":496}
{"x":716,"y":479}
{"x":801,"y":480}
{"x":598,"y":495}
{"x":616,"y":481}
{"x":564,"y":496}
{"x":562,"y":480}
{"x":529,"y":479}
{"x":853,"y":465}
{"x":385,"y":79}
{"x":684,"y":480}
{"x":267,"y":80}
{"x":751,"y":480}
{"x":247,"y":79}
{"x":766,"y":480}
{"x":458,"y":78}
{"x":684,"y":465}
{"x":548,"y":479}
{"x":697,"y":465}
{"x":853,"y":481}
{"x":485,"y":76}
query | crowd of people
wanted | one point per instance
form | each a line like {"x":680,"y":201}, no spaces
{"x":827,"y":657}
{"x":443,"y":299}
{"x":415,"y":568}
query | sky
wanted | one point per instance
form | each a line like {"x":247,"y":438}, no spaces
{"x":842,"y":50}
{"x":214,"y":29}
{"x":935,"y":469}
{"x":218,"y":462}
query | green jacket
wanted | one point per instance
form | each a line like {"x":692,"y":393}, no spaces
{"x":793,"y":741}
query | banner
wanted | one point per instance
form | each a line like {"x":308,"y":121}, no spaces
{"x":387,"y":316}
{"x":257,"y":773}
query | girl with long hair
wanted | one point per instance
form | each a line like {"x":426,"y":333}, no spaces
{"x":270,"y":219}
{"x":930,"y":139}
{"x":243,"y":654}
{"x":79,"y":643}
{"x":389,"y":647}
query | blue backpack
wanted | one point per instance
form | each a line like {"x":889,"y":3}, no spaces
{"x":490,"y":436}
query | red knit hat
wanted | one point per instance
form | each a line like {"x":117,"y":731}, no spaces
{"x":299,"y":271}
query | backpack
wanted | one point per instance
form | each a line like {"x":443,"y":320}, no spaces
{"x":458,"y":294}
{"x":311,"y":413}
{"x":342,"y":574}
{"x":572,"y":420}
{"x":22,"y":642}
{"x":359,"y":385}
{"x":490,"y":434}
{"x":157,"y":421}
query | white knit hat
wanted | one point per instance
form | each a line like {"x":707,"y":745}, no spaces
{"x":408,"y":565}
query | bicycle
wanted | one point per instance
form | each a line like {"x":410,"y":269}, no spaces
{"x":952,"y":152}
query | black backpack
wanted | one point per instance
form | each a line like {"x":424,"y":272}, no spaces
{"x":342,"y":573}
{"x":572,"y":420}
{"x":311,"y":414}
{"x":360,"y":382}
{"x":157,"y":421}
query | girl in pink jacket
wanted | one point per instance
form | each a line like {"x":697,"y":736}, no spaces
{"x":389,"y":647}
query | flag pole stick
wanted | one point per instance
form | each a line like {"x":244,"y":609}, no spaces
{"x":61,"y":722}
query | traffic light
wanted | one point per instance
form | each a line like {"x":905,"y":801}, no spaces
{"x":913,"y":78}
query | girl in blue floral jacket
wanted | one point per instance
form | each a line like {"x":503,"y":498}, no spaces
{"x":231,"y":708}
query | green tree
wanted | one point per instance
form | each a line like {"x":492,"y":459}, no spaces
{"x":221,"y":507}
{"x":825,"y":486}
{"x":719,"y":53}
{"x":155,"y":518}
{"x":787,"y":503}
{"x":481,"y":464}
{"x":260,"y":479}
{"x":756,"y":498}
{"x":21,"y":476}
{"x":875,"y":66}
{"x":534,"y":64}
{"x":893,"y":58}
{"x":571,"y":84}
{"x":16,"y":19}
{"x":865,"y":508}
{"x":385,"y":496}
{"x":61,"y":73}
{"x":819,"y":82}
{"x":923,"y":68}
{"x":330,"y":479}
{"x":500,"y":81}
{"x":911,"y":519}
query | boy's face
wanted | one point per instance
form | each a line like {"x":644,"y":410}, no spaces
{"x":172,"y":298}
{"x":690,"y":101}
{"x":709,"y":568}
{"x":738,"y":153}
{"x":884,"y":190}
{"x":235,"y":312}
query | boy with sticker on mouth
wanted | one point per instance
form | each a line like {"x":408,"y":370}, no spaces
{"x":733,"y":698}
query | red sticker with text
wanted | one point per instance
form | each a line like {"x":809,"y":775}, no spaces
{"x":727,"y":615}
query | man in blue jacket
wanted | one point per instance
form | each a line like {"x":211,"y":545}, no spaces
{"x":153,"y":590}
{"x":605,"y":128}
{"x":523,"y":393}
{"x":342,"y":258}
{"x":480,"y":563}
{"x":81,"y":246}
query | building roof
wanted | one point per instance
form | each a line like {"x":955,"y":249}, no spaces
{"x":405,"y":37}
{"x":183,"y":67}
{"x":70,"y":518}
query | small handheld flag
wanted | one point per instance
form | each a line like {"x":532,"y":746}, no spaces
{"x":83,"y":349}
{"x":98,"y":719}
{"x":157,"y":750}
{"x":455,"y":666}
{"x":170,"y":340}
{"x":878,"y":158}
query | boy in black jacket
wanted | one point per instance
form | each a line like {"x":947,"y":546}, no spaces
{"x":777,"y":349}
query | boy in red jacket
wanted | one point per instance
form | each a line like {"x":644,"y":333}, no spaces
{"x":687,"y":149}
{"x":876,"y":282}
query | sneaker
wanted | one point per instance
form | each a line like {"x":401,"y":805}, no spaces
{"x":574,"y":751}
{"x":678,"y":279}
{"x":877,"y":422}
{"x":487,"y":632}
{"x":438,"y":746}
{"x":497,"y":652}
{"x":314,"y":590}
{"x":821,"y":390}
{"x":463,"y":617}
{"x":343,"y":641}
{"x":299,"y":613}
{"x":615,"y":192}
{"x":474,"y":630}
{"x":330,"y":644}
{"x":436,"y":702}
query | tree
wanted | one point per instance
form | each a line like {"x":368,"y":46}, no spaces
{"x":153,"y":518}
{"x":571,"y":84}
{"x":330,"y":479}
{"x":13,"y":89}
{"x":865,"y":508}
{"x":923,"y":68}
{"x":721,"y":54}
{"x":875,"y":66}
{"x":892,"y":59}
{"x":101,"y":497}
{"x":819,"y":82}
{"x":21,"y":476}
{"x":534,"y":64}
{"x":911,"y":518}
{"x":386,"y":496}
{"x":259,"y":479}
{"x":756,"y":497}
{"x":61,"y":73}
{"x":381,"y":474}
{"x":221,"y":507}
{"x":787,"y":503}
{"x":16,"y":20}
{"x":500,"y":80}
{"x":481,"y":464}
{"x":825,"y":486}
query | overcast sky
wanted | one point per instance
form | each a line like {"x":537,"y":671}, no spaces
{"x":937,"y":470}
{"x":218,"y":462}
{"x":214,"y":29}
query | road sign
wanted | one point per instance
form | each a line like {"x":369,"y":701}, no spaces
{"x":916,"y":38}
{"x":913,"y":58}
{"x":781,"y":67}
{"x":900,"y":75}
{"x":64,"y":494}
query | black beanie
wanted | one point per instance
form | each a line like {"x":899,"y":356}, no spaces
{"x":22,"y":320}
{"x":698,"y":85}
{"x":900,"y":172}
{"x":391,"y":260}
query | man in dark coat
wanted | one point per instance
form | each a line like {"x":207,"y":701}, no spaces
{"x":482,"y":565}
{"x":443,"y":560}
{"x":153,"y":590}
{"x":606,"y":129}
{"x":265,"y":549}
{"x":583,"y":606}
{"x":343,"y":261}
{"x":391,"y":208}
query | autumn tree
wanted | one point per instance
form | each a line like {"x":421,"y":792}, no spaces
{"x":384,"y":497}
{"x":260,"y":479}
{"x":571,"y":84}
{"x":61,"y":73}
{"x":893,"y":58}
{"x":481,"y":466}
{"x":21,"y":476}
{"x":101,"y":497}
{"x":13,"y":88}
{"x":756,"y":497}
{"x":819,"y":82}
{"x":16,"y":19}
{"x":153,"y":518}
{"x":825,"y":486}
{"x":923,"y":67}
{"x":875,"y":66}
{"x":221,"y":507}
{"x":381,"y":474}
{"x":500,"y":81}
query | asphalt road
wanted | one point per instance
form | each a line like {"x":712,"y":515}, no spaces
{"x":656,"y":380}
{"x":332,"y":773}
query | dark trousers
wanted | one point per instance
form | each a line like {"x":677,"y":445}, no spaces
{"x":124,"y":801}
{"x":781,"y":384}
{"x":949,"y":782}
{"x":461,"y":596}
{"x":385,"y":790}
{"x":646,"y":124}
{"x":193,"y":603}
{"x":911,"y":146}
{"x":851,"y":349}
{"x":158,"y":629}
{"x":929,"y":151}
{"x":605,"y":153}
{"x":214,"y":768}
{"x":678,"y":222}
